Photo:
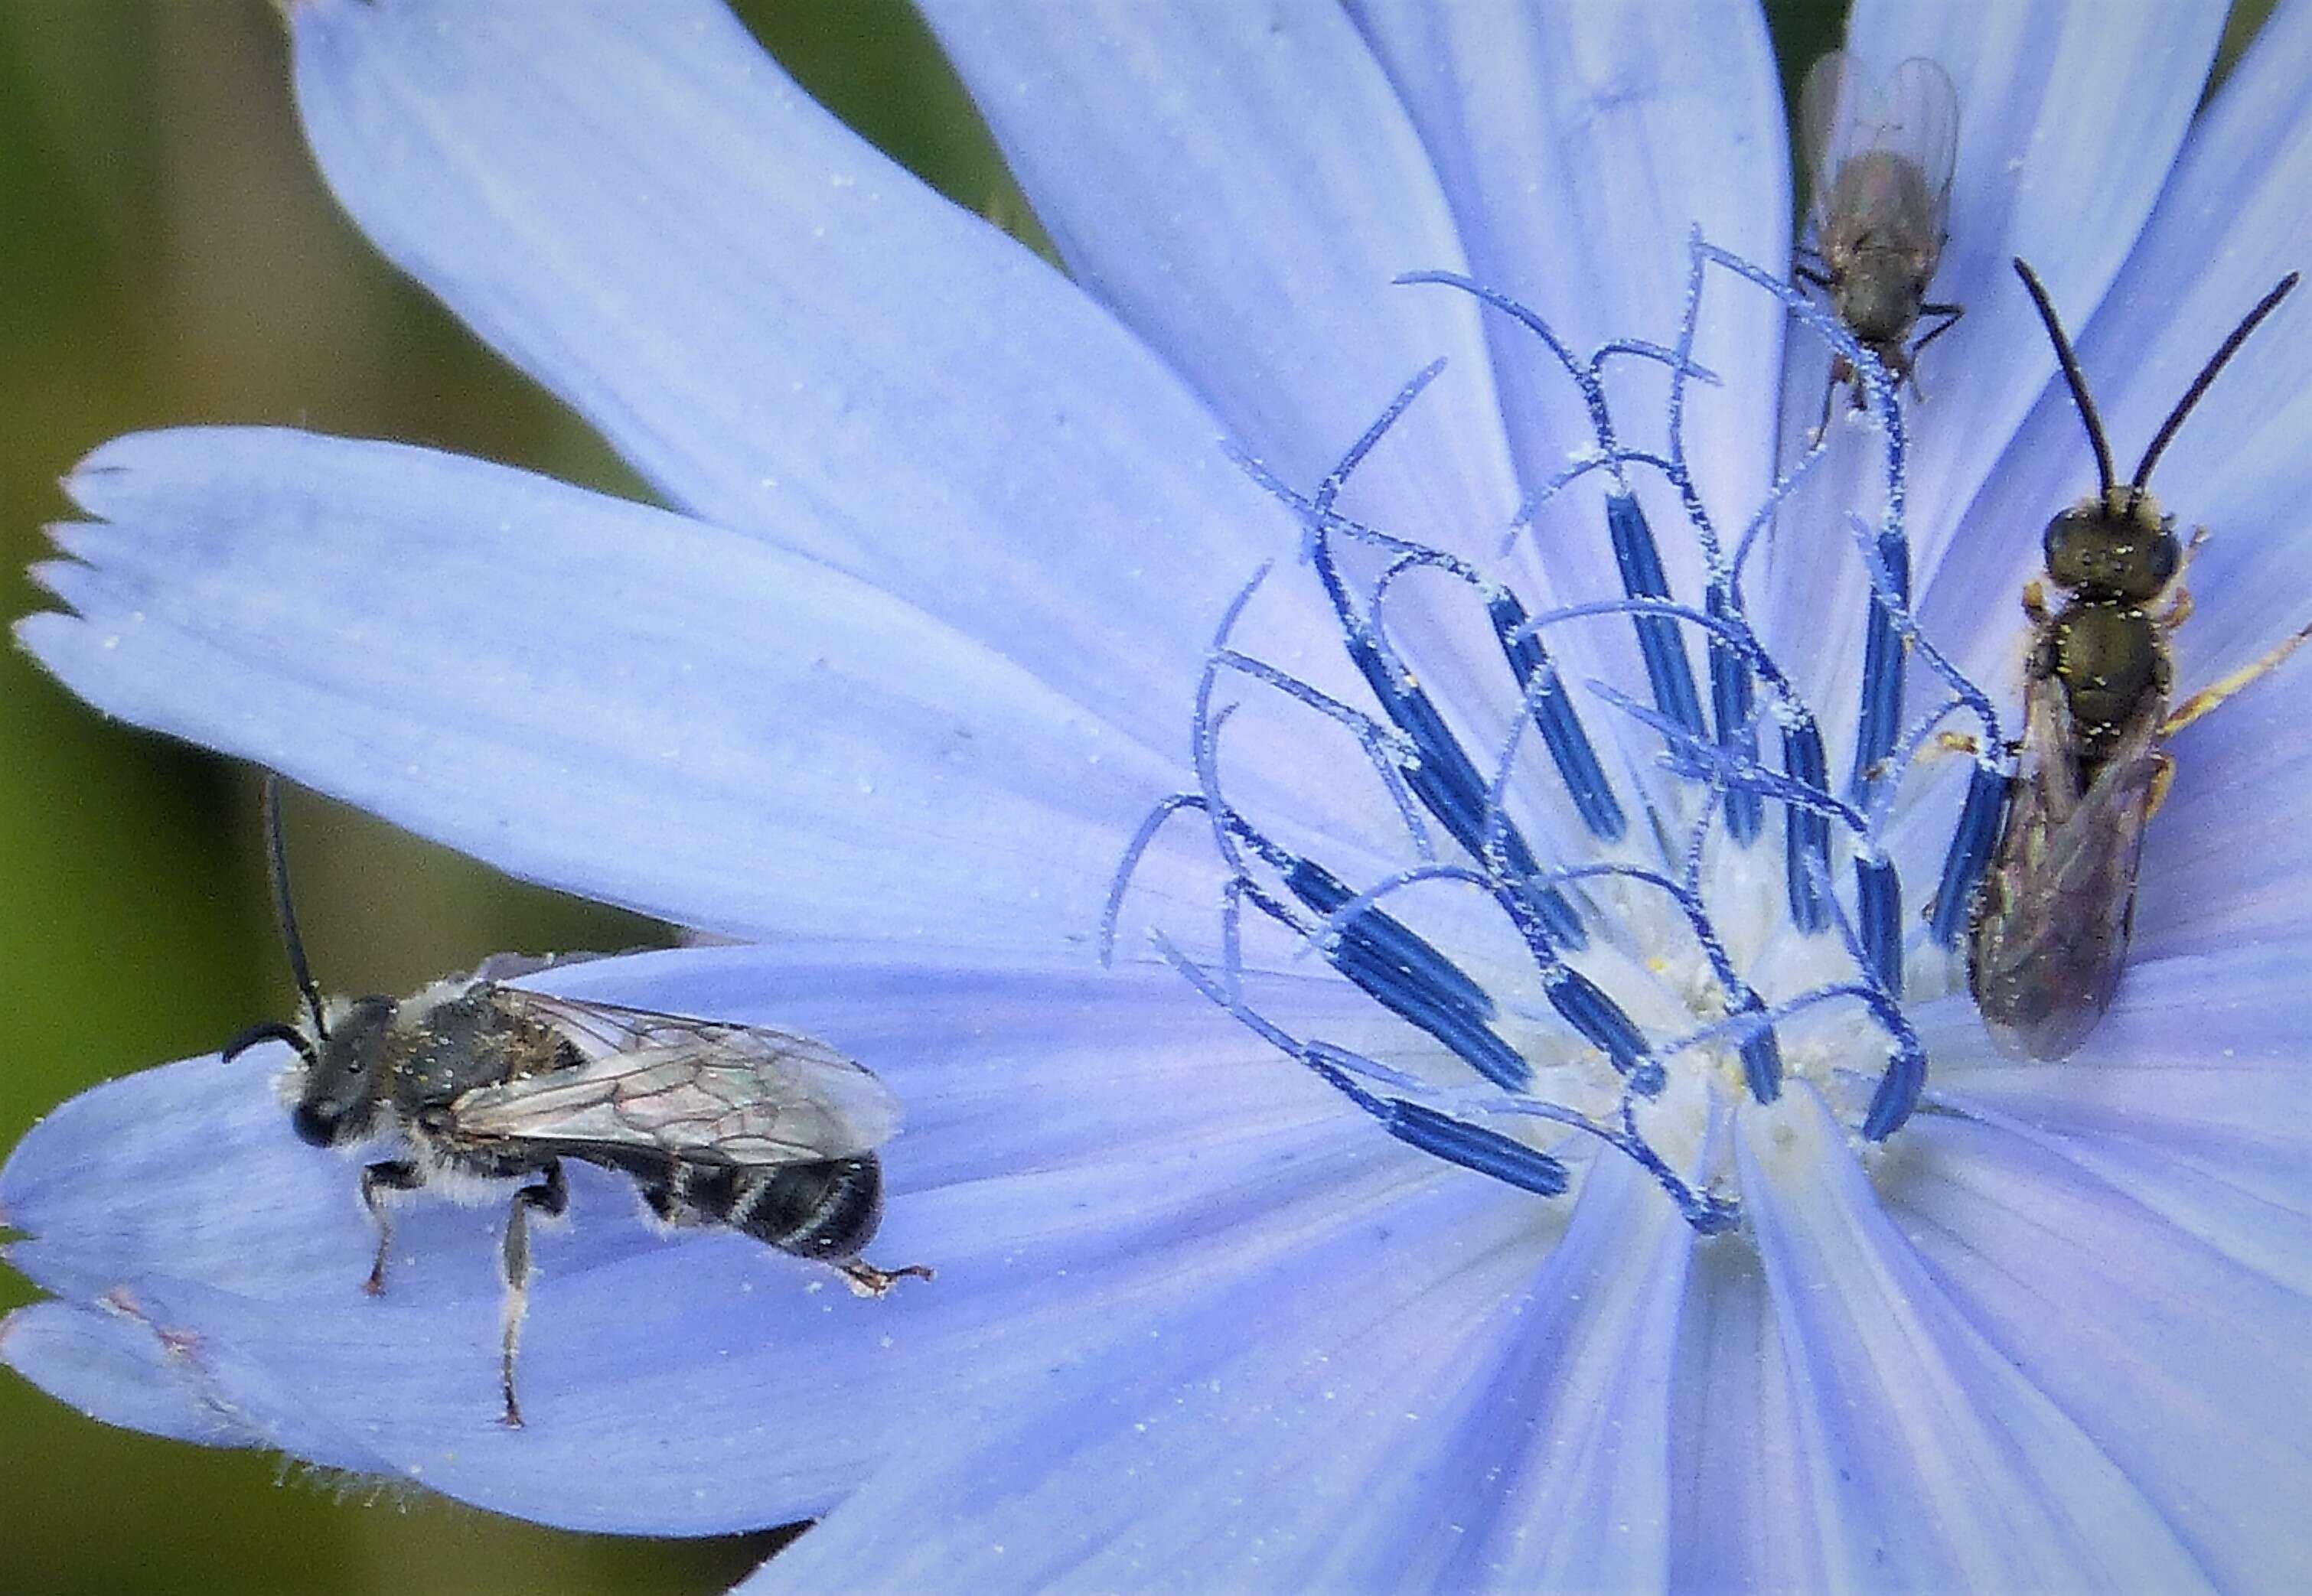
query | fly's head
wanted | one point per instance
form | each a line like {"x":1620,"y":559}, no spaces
{"x":1877,"y":297}
{"x":2115,"y":545}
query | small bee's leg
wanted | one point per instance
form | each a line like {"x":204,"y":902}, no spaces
{"x":2035,"y":603}
{"x":867,"y":1281}
{"x":2163,"y":777}
{"x":550,"y":1196}
{"x":394,"y":1174}
{"x":2210,"y":697}
{"x":1841,"y":374}
{"x":2177,"y":611}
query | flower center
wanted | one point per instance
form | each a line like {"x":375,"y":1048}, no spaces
{"x":1565,"y":959}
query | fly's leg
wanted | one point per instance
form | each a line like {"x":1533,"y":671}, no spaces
{"x":394,"y":1174}
{"x":1950,"y":314}
{"x":550,"y":1197}
{"x":2210,"y":697}
{"x":867,"y":1281}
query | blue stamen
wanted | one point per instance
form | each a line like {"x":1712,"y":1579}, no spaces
{"x":1488,"y":1152}
{"x":1879,"y":905}
{"x":1980,"y":820}
{"x":1552,"y":714}
{"x":1730,"y":707}
{"x":1882,"y":667}
{"x":1667,"y":670}
{"x":1404,"y":973}
{"x":1806,"y":834}
{"x":1719,"y":753}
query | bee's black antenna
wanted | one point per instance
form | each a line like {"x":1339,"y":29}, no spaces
{"x":2248,"y":324}
{"x":2072,"y":375}
{"x":277,"y":864}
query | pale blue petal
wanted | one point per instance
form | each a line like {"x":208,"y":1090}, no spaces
{"x":1467,"y":1409}
{"x":109,"y":1365}
{"x":1929,"y":1456}
{"x":704,"y":1382}
{"x":2192,"y":1373}
{"x":605,"y":698}
{"x":1241,"y":184}
{"x":785,"y":331}
{"x":2190,"y":1098}
{"x":1579,"y":146}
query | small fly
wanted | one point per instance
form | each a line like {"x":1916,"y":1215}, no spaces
{"x":2049,"y":933}
{"x":1881,"y":167}
{"x":760,"y":1131}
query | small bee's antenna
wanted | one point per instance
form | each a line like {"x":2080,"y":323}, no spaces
{"x":276,"y":863}
{"x":2175,"y":423}
{"x":2071,"y":374}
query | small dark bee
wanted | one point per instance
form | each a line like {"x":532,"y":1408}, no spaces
{"x":761,"y":1130}
{"x":2051,"y":922}
{"x":1881,"y":171}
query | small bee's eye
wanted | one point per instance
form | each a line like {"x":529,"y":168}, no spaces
{"x":313,"y":1128}
{"x":2071,"y":538}
{"x":2163,"y":557}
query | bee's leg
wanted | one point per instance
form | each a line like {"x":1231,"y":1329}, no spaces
{"x":2208,"y":697}
{"x":2178,"y":609}
{"x":867,"y":1281}
{"x":550,"y":1196}
{"x":2035,"y":603}
{"x":394,"y":1174}
{"x":1807,"y":273}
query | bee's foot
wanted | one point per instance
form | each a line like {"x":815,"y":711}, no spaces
{"x":867,"y":1281}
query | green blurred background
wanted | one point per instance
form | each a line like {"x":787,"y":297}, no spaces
{"x":168,"y":255}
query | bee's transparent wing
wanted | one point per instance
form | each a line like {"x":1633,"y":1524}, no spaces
{"x":2050,"y":939}
{"x":1914,"y":115}
{"x":699,"y":1089}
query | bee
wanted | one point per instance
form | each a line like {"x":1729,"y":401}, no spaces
{"x":764,"y":1131}
{"x":2051,"y":922}
{"x":1881,"y":171}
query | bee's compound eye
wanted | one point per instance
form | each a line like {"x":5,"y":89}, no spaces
{"x":312,"y":1128}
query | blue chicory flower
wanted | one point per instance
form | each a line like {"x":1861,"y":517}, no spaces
{"x":967,"y":650}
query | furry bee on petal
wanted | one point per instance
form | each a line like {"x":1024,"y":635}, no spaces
{"x":2049,"y":932}
{"x":1881,"y":165}
{"x":760,"y":1131}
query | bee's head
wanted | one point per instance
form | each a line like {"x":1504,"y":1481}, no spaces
{"x":2114,"y":546}
{"x":342,"y":1077}
{"x":332,"y":1094}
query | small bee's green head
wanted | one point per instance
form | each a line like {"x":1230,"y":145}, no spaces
{"x":2116,"y":545}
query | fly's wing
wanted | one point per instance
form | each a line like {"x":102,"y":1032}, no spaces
{"x":1830,"y":126}
{"x":1914,"y":118}
{"x":2051,"y":930}
{"x":695,"y":1089}
{"x":1922,"y":123}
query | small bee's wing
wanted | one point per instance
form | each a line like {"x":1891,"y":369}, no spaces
{"x":698,"y":1089}
{"x":2050,"y":936}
